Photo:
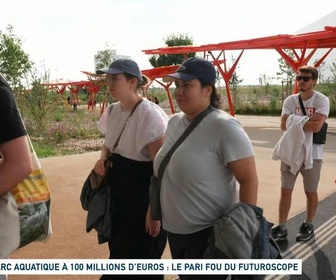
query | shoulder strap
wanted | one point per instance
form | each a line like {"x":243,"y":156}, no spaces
{"x":189,"y":129}
{"x":301,"y":105}
{"x":118,"y":139}
{"x":110,"y":108}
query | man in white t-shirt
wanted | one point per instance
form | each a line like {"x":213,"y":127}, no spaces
{"x":317,"y":109}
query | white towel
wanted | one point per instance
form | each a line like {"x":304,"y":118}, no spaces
{"x":295,"y":145}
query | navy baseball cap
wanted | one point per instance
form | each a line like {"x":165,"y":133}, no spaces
{"x":122,"y":65}
{"x":194,"y":68}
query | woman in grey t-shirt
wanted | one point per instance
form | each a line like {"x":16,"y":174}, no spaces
{"x":200,"y":181}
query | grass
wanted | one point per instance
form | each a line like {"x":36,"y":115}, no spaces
{"x":65,"y":131}
{"x":43,"y":150}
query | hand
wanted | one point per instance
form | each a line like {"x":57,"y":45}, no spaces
{"x":152,"y":226}
{"x":99,"y":167}
{"x":316,"y":117}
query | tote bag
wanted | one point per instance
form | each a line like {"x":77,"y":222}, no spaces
{"x":25,"y":211}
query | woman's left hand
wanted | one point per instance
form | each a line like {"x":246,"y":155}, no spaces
{"x":152,"y":226}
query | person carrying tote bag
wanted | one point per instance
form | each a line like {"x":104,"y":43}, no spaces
{"x":25,"y":210}
{"x":24,"y":198}
{"x":15,"y":148}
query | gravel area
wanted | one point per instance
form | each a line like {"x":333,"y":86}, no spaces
{"x":79,"y":146}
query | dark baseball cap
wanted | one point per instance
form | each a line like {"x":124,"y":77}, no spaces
{"x":122,"y":65}
{"x":194,"y":68}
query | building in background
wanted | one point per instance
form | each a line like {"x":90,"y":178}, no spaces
{"x":104,"y":57}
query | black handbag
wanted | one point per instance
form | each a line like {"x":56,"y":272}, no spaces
{"x":321,"y":136}
{"x":154,"y":188}
{"x":318,"y":137}
{"x":91,"y":186}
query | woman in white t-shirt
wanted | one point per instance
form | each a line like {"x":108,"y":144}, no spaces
{"x":134,"y":131}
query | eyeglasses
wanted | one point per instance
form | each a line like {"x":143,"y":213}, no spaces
{"x":304,"y":78}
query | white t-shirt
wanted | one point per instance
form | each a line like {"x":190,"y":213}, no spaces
{"x":197,"y":185}
{"x":147,"y":124}
{"x":318,"y":103}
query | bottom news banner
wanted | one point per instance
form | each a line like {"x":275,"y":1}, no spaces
{"x":163,"y":266}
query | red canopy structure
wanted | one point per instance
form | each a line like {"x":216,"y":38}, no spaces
{"x":91,"y":85}
{"x":152,"y":74}
{"x":96,"y":82}
{"x":159,"y":72}
{"x":303,"y":46}
{"x":73,"y":87}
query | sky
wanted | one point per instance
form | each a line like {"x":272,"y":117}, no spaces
{"x":63,"y":36}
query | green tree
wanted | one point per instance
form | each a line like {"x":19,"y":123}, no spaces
{"x":172,"y":59}
{"x":328,"y":87}
{"x":321,"y":70}
{"x":332,"y":68}
{"x":37,"y":103}
{"x":233,"y":82}
{"x":14,"y":62}
{"x":286,"y":74}
{"x":104,"y":58}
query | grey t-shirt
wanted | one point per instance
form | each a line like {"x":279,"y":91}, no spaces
{"x":197,"y":185}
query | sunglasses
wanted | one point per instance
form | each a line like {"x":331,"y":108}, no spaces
{"x":304,"y":78}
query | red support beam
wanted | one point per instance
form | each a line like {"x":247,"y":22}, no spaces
{"x":324,"y":39}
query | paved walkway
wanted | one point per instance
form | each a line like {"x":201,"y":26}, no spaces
{"x":66,"y":175}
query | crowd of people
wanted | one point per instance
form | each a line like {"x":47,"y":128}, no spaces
{"x":212,"y":169}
